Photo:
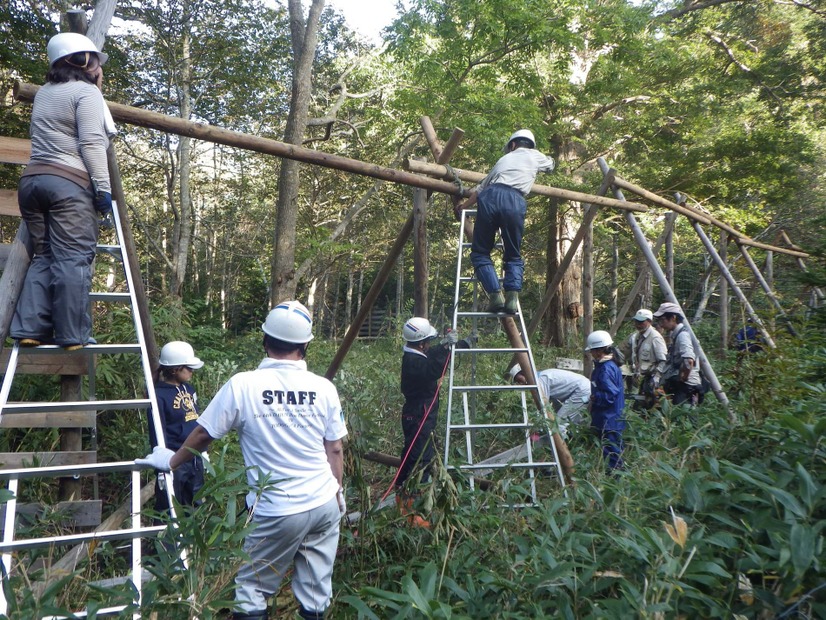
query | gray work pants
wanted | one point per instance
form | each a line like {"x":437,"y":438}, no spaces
{"x":63,"y":225}
{"x":308,"y":541}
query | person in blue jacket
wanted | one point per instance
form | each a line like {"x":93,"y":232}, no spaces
{"x":607,"y":397}
{"x":178,"y":410}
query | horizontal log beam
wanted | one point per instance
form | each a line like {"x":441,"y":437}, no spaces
{"x":153,"y":120}
{"x":17,"y":460}
{"x":15,"y":150}
{"x":74,"y":364}
{"x":68,"y":419}
{"x":442,"y":172}
{"x":703,"y":218}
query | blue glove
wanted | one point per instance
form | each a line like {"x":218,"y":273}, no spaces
{"x":103,"y":202}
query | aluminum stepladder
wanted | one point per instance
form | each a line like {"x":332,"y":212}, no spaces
{"x":11,"y":477}
{"x":515,"y":418}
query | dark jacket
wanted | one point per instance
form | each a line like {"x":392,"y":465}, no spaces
{"x":420,"y":376}
{"x":607,"y":396}
{"x":178,"y":408}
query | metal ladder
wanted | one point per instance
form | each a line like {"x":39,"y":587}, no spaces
{"x":482,"y":430}
{"x":11,"y":547}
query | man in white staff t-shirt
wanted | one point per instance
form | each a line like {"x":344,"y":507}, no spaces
{"x":290,"y":426}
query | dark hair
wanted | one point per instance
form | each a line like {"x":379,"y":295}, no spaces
{"x":522,"y":143}
{"x":167,"y":372}
{"x":282,"y":346}
{"x":678,"y":317}
{"x":71,"y":68}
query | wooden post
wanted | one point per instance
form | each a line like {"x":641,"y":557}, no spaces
{"x":420,"y":266}
{"x":641,"y":281}
{"x":767,"y":289}
{"x":588,"y":291}
{"x":724,"y":305}
{"x":71,"y":439}
{"x":614,"y":275}
{"x":14,"y":274}
{"x":668,"y":292}
{"x":733,"y":284}
{"x":370,"y":298}
{"x":669,"y":248}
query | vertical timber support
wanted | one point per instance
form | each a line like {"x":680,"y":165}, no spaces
{"x":767,"y":289}
{"x":724,"y":303}
{"x":588,"y":291}
{"x":736,"y":289}
{"x":668,"y":292}
{"x":669,"y":247}
{"x":420,"y":263}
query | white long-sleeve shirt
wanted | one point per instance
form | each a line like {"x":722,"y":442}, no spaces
{"x":518,"y":169}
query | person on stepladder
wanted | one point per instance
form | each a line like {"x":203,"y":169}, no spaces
{"x":423,"y":366}
{"x":62,"y":191}
{"x":501,"y":206}
{"x":290,"y":427}
{"x":178,"y":411}
{"x":607,"y":398}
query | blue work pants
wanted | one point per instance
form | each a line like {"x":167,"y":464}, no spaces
{"x":499,"y":208}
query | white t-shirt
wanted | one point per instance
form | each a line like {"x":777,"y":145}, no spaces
{"x":518,"y":169}
{"x":283,"y":413}
{"x":564,"y":386}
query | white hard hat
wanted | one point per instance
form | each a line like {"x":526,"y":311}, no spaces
{"x":418,"y":329}
{"x":178,"y":353}
{"x":668,"y":308}
{"x":525,"y":134}
{"x":598,"y":340}
{"x":68,"y":43}
{"x":289,"y":321}
{"x":515,"y":370}
{"x":643,"y":315}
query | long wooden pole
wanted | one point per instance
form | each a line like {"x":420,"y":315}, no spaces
{"x":697,"y":216}
{"x":588,"y":292}
{"x":800,"y":263}
{"x":712,"y":252}
{"x":14,"y":274}
{"x":162,"y":122}
{"x":724,"y":304}
{"x":668,"y":292}
{"x":767,"y":289}
{"x":443,"y":172}
{"x":420,"y":267}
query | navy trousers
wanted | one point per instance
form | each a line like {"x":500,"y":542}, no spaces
{"x":499,"y":208}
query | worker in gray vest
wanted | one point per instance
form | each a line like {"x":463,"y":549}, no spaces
{"x":681,"y":378}
{"x":648,"y":358}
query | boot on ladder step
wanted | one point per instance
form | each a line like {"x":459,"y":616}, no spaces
{"x":497,"y":302}
{"x":511,"y":302}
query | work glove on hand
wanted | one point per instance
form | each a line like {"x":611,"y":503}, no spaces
{"x":451,"y":337}
{"x":103,"y":203}
{"x":469,"y":342}
{"x":159,"y":459}
{"x":342,"y":502}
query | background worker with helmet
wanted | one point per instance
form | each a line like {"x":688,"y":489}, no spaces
{"x":648,"y":358}
{"x":178,"y":410}
{"x":64,"y":185}
{"x":290,"y":427}
{"x":568,"y":392}
{"x":502,"y":207}
{"x":423,"y":366}
{"x":681,"y":378}
{"x":607,"y":397}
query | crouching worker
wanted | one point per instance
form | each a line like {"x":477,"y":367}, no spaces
{"x":290,"y":427}
{"x":178,"y":413}
{"x":423,"y":366}
{"x":607,"y":397}
{"x":567,"y":392}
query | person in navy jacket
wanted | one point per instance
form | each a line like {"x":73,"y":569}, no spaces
{"x":607,"y":397}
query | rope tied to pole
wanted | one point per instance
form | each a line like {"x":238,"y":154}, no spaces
{"x":455,"y":178}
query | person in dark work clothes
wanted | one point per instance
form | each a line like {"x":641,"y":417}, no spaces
{"x":178,"y":411}
{"x":422,"y":367}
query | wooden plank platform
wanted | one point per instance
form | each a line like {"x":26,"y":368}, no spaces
{"x":18,"y":460}
{"x":8,"y":203}
{"x":15,"y":150}
{"x":68,"y":419}
{"x":74,"y":364}
{"x":82,"y":513}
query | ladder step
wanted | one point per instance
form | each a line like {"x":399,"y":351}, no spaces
{"x":474,"y":279}
{"x":83,"y":405}
{"x":468,"y":427}
{"x":534,"y":465}
{"x":499,"y":245}
{"x":488,"y":388}
{"x":114,"y":250}
{"x":73,"y":539}
{"x":113,"y":297}
{"x":103,"y":349}
{"x":493,"y":315}
{"x":483,"y":350}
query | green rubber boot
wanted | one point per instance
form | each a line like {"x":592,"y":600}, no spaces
{"x":512,"y":302}
{"x":497,"y":302}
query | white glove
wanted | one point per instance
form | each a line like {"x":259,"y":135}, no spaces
{"x":205,"y":456}
{"x":451,"y":337}
{"x":159,"y":459}
{"x":342,"y":503}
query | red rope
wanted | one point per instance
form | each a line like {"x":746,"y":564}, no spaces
{"x":416,"y":436}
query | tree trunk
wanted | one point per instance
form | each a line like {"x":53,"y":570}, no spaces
{"x":565,"y":309}
{"x":304,"y":37}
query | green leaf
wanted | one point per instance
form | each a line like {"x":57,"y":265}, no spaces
{"x":802,"y":543}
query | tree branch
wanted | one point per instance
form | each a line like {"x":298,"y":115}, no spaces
{"x":742,"y":66}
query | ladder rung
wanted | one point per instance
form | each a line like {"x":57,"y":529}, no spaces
{"x":488,"y":388}
{"x":534,"y":465}
{"x":83,"y":405}
{"x":474,"y":279}
{"x":103,"y":349}
{"x":499,"y":245}
{"x":483,"y":350}
{"x":493,"y":315}
{"x":114,"y":250}
{"x":469,"y":427}
{"x":73,"y":539}
{"x":113,"y":297}
{"x":53,"y":471}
